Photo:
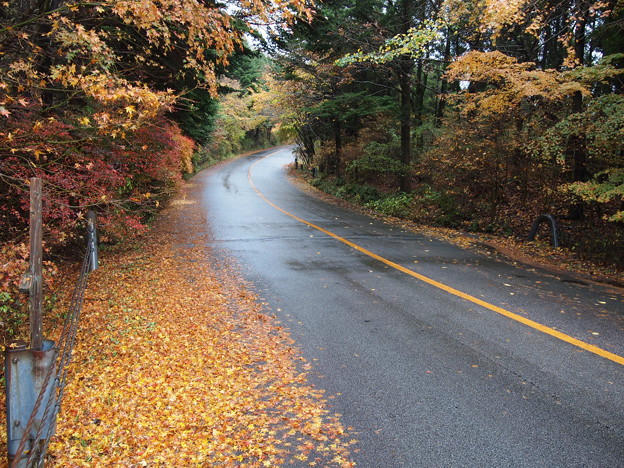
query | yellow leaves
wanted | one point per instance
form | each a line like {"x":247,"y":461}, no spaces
{"x":500,"y":13}
{"x":114,"y":94}
{"x":509,"y":82}
{"x":174,"y":368}
{"x":92,"y":53}
{"x":482,"y":66}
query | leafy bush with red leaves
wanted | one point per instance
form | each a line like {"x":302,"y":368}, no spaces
{"x":124,"y":181}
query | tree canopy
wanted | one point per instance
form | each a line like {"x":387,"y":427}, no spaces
{"x":501,"y":110}
{"x":110,"y":103}
{"x":88,"y":92}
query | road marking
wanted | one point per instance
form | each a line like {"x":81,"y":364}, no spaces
{"x":499,"y":310}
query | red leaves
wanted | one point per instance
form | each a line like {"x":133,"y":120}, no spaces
{"x":111,"y":177}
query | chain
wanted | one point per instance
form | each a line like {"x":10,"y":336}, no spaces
{"x":65,"y":348}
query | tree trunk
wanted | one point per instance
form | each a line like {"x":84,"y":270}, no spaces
{"x":577,"y":144}
{"x":421,"y":86}
{"x":405,"y":83}
{"x":338,"y":143}
{"x":441,"y":100}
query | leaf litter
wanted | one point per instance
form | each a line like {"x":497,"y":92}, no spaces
{"x":177,"y":364}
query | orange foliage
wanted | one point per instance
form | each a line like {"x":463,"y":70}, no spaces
{"x":176,"y":366}
{"x":80,"y":81}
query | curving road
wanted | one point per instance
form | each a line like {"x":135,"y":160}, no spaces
{"x":438,"y":356}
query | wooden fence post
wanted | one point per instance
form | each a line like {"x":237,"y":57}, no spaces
{"x":36,"y":264}
{"x":29,"y":373}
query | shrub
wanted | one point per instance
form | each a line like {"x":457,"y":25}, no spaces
{"x":130,"y":175}
{"x":436,"y":207}
{"x":400,"y":205}
{"x":13,"y":308}
{"x":338,"y":187}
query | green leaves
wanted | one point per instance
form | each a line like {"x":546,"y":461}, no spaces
{"x":412,"y":45}
{"x":607,"y":187}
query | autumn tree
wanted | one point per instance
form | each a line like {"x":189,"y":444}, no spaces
{"x":247,"y":116}
{"x":87,"y":92}
{"x":79,"y":80}
{"x":534,"y":136}
{"x":523,"y":122}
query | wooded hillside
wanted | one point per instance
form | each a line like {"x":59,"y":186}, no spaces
{"x":476,"y":114}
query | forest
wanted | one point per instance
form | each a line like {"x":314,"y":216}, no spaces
{"x":478,"y":115}
{"x":475,"y":115}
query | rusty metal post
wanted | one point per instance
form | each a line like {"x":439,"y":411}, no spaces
{"x":92,"y":241}
{"x":30,"y":384}
{"x":545,"y":218}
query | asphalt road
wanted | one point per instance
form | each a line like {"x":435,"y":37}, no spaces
{"x":425,"y":373}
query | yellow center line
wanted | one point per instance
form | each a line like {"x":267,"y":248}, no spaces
{"x":499,"y":310}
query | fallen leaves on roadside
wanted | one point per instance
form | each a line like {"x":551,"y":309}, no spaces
{"x":535,"y":253}
{"x":176,"y":366}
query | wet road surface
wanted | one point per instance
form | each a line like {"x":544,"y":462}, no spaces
{"x":426,"y":376}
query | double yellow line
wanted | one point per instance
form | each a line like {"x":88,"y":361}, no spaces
{"x":499,"y":310}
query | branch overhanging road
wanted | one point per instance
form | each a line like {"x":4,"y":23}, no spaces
{"x":438,"y":356}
